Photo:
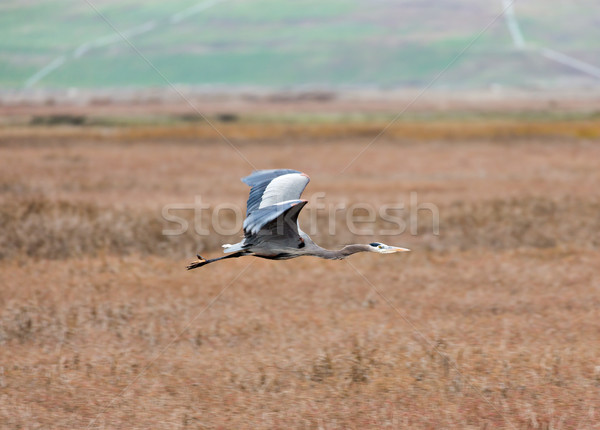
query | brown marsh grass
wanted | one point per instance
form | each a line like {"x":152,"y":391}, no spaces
{"x":492,"y":324}
{"x":274,"y":130}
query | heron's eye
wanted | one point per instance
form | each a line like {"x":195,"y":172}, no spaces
{"x":380,"y":247}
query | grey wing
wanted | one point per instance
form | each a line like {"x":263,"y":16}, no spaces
{"x":277,"y":219}
{"x":272,"y":229}
{"x":270,"y":187}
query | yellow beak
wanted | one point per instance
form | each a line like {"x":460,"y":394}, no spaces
{"x":393,"y":249}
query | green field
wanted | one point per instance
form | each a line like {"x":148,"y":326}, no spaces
{"x":273,"y":43}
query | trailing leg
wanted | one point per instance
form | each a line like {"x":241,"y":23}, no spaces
{"x":201,"y":261}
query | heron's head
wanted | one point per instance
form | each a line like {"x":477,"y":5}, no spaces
{"x":382,"y":248}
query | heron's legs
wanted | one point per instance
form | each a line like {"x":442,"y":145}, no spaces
{"x":201,"y":261}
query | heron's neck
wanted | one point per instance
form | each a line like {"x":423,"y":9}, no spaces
{"x":341,"y":253}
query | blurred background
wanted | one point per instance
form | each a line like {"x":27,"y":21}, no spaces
{"x":300,"y":44}
{"x":112,"y":112}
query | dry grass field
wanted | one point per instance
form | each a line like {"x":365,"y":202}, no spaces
{"x":493,"y":323}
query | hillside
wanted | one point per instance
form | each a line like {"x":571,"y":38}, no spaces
{"x":269,"y":43}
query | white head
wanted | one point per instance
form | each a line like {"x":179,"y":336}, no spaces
{"x":382,"y":248}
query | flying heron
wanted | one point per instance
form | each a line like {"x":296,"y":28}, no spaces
{"x":271,"y":226}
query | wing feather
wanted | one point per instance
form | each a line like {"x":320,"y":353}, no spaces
{"x":270,"y":187}
{"x":288,"y":211}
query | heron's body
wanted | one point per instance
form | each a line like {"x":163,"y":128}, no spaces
{"x":271,"y":226}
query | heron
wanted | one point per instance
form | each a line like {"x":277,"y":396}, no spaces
{"x":271,"y":227}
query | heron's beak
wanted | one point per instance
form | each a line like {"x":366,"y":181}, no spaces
{"x":393,"y":249}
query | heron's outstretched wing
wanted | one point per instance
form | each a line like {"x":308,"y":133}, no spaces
{"x":274,"y":227}
{"x":278,"y":219}
{"x":270,"y":187}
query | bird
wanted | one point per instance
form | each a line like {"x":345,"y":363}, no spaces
{"x":271,"y":227}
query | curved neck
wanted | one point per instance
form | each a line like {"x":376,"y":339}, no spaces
{"x":341,"y":253}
